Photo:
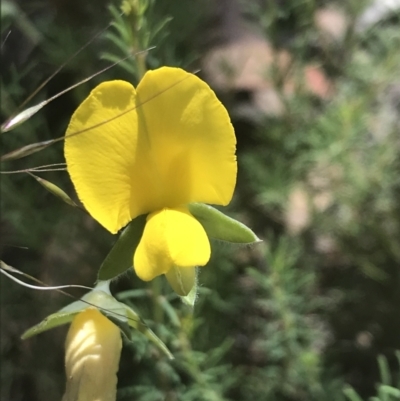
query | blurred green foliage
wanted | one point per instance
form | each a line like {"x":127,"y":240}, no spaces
{"x":303,"y":316}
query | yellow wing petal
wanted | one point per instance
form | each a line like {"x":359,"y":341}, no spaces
{"x":100,"y":147}
{"x":171,"y":238}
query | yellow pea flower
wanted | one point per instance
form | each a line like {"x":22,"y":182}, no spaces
{"x":154,"y":150}
{"x":93,"y":350}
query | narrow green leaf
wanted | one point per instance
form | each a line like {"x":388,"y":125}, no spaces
{"x":119,"y":313}
{"x":160,"y":26}
{"x":105,"y":302}
{"x":63,"y":316}
{"x":117,"y":41}
{"x":397,"y":353}
{"x":120,"y":257}
{"x":389,"y":391}
{"x":120,"y":322}
{"x":114,"y":310}
{"x":384,"y":370}
{"x":54,"y":320}
{"x":123,"y":316}
{"x":170,"y":311}
{"x":351,"y":394}
{"x":221,"y":227}
{"x":137,"y":323}
{"x":138,"y":293}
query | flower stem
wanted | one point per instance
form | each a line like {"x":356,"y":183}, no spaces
{"x":136,"y":18}
{"x":158,"y":313}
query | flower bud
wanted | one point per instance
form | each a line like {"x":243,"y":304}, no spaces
{"x":92,"y":353}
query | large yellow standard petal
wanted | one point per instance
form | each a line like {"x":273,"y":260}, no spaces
{"x":189,"y":136}
{"x":92,"y":353}
{"x":169,"y":144}
{"x":172,"y":238}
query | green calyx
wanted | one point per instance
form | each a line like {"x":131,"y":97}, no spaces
{"x":100,"y":297}
{"x":221,"y":227}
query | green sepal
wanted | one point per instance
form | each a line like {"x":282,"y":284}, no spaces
{"x":190,"y":299}
{"x":120,"y":258}
{"x":54,"y":320}
{"x":98,"y":297}
{"x":119,"y":320}
{"x":135,"y":321}
{"x":181,"y":279}
{"x":119,"y":313}
{"x":221,"y":227}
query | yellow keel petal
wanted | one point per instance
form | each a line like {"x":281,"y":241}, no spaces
{"x":171,"y":237}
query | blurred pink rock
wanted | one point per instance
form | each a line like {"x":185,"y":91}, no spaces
{"x":251,"y":64}
{"x":331,"y":22}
